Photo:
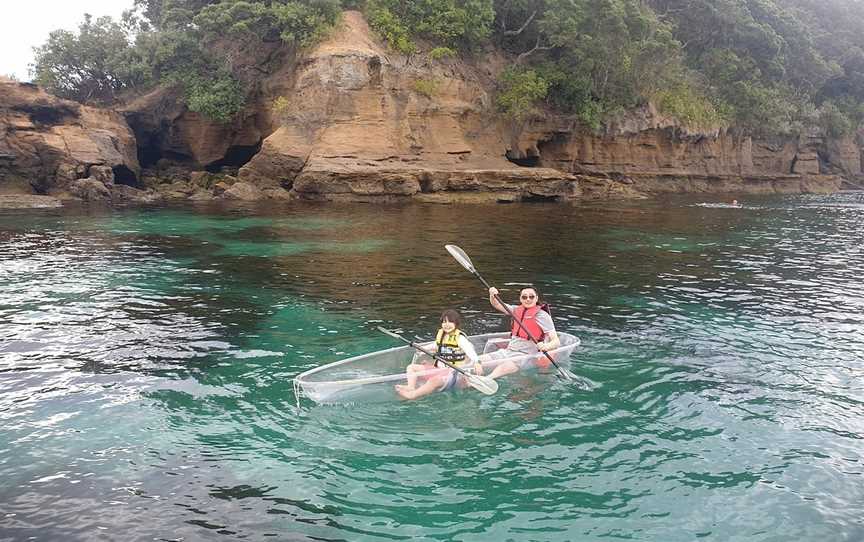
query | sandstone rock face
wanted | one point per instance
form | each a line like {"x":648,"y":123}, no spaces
{"x":47,"y":143}
{"x":90,"y":190}
{"x":844,"y":156}
{"x":243,"y":191}
{"x":127,"y":194}
{"x":363,"y":124}
{"x":352,"y":121}
{"x":659,"y":156}
{"x":166,"y":129}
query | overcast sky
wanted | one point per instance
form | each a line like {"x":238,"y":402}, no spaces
{"x":26,"y":24}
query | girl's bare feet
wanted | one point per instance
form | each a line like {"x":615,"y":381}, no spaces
{"x":404,"y":391}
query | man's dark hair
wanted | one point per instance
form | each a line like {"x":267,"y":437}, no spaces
{"x":529,"y":287}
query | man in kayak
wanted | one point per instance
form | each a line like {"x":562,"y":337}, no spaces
{"x":450,"y":345}
{"x":536,"y":325}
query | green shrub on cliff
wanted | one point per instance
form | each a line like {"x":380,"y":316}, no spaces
{"x":281,"y":106}
{"x":390,"y":27}
{"x":301,"y":23}
{"x":599,"y":57}
{"x":217,"y":96}
{"x":455,"y":24}
{"x":519,"y":93}
{"x":691,"y":108}
{"x":426,"y":87}
{"x":840,"y":119}
{"x":438,"y":53}
{"x":571,"y":93}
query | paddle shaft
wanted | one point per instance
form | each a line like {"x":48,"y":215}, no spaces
{"x":518,"y":322}
{"x":433,"y":356}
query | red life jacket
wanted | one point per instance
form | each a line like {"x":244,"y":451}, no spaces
{"x":528,"y":319}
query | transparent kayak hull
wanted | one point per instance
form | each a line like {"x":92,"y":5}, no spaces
{"x":371,"y":377}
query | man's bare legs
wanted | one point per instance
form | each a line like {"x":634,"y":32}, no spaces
{"x":506,"y":368}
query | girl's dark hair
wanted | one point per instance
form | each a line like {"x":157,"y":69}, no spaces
{"x":452,"y":316}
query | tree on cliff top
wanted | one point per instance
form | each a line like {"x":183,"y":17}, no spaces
{"x":770,"y":62}
{"x":92,"y":65}
{"x":767,"y":66}
{"x":175,"y":43}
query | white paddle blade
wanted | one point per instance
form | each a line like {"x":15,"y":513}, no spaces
{"x":390,"y":333}
{"x":460,"y":256}
{"x":568,"y":375}
{"x":483,"y":384}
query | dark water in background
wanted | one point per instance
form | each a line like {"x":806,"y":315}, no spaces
{"x":147,"y":356}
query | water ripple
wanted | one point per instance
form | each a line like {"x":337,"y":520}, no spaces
{"x":146,"y":359}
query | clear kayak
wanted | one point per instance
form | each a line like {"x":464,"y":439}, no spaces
{"x":372,"y":377}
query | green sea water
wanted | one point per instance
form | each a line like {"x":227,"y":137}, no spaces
{"x":147,"y":358}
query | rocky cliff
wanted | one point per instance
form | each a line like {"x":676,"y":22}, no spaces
{"x":56,"y":147}
{"x":658,"y":155}
{"x":350,"y":120}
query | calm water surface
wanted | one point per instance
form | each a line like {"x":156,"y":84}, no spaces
{"x":146,"y":358}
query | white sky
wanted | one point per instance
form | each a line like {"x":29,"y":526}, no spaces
{"x":25,"y":24}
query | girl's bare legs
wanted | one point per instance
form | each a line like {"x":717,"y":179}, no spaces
{"x":413,"y":369}
{"x":431,"y":385}
{"x":411,"y":375}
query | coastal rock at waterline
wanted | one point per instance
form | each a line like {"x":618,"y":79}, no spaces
{"x":356,"y":185}
{"x":656,"y":155}
{"x":28,"y":201}
{"x":104,"y":174}
{"x":329,"y":181}
{"x":48,"y":143}
{"x":128,"y":194}
{"x":204,"y":186}
{"x":367,"y":125}
{"x":89,"y":190}
{"x":243,"y":191}
{"x":282,"y":157}
{"x":176,"y":190}
{"x":844,"y":155}
{"x":818,"y":184}
{"x":165,"y":127}
{"x":96,"y":190}
{"x":750,"y":184}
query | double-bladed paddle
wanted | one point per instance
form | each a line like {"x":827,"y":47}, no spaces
{"x":465,"y":262}
{"x":483,"y":384}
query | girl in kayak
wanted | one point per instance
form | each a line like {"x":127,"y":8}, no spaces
{"x":451,"y":345}
{"x":536,"y":334}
